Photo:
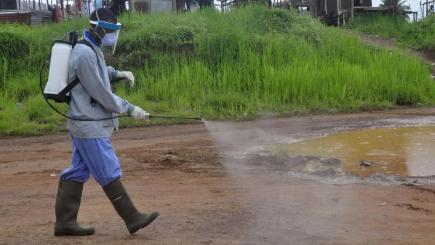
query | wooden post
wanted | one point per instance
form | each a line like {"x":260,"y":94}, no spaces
{"x":421,"y":10}
{"x":130,"y":5}
{"x":352,"y":10}
{"x":62,"y":9}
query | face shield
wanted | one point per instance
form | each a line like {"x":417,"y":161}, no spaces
{"x":111,"y":30}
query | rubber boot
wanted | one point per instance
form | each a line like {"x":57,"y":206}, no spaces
{"x":68,"y":200}
{"x":124,"y":207}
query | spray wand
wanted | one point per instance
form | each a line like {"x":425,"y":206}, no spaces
{"x":170,"y":117}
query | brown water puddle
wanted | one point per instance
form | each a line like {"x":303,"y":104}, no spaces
{"x":408,"y":151}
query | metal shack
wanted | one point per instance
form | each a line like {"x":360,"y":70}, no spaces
{"x":23,"y":11}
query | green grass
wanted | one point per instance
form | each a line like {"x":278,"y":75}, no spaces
{"x":247,"y":63}
{"x":419,"y":35}
{"x":383,"y":25}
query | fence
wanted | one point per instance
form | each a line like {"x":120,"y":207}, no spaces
{"x":427,"y":8}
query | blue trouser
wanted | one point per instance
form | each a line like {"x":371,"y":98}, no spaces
{"x":92,"y":156}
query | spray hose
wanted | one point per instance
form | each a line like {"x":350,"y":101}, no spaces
{"x":43,"y":65}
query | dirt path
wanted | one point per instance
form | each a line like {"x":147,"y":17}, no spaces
{"x":207,"y":197}
{"x":426,"y":56}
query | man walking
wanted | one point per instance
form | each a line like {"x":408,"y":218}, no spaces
{"x":92,"y":152}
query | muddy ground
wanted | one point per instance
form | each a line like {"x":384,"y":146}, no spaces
{"x":210,"y":189}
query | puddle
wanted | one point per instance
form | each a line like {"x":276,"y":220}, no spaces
{"x":407,"y":151}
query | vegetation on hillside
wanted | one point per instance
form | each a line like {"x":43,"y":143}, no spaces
{"x":246,"y":63}
{"x":419,"y":35}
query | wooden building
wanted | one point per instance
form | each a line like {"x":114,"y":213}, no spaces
{"x":153,"y":6}
{"x":333,"y":12}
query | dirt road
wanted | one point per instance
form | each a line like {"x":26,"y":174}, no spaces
{"x":207,"y":194}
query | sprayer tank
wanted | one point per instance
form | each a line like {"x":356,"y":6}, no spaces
{"x":58,"y":72}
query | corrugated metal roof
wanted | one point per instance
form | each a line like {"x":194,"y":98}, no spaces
{"x":33,"y":17}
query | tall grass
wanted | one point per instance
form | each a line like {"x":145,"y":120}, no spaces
{"x":418,"y":35}
{"x":384,"y":25}
{"x":243,"y":64}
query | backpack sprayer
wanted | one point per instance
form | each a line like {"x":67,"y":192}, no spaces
{"x":57,"y":87}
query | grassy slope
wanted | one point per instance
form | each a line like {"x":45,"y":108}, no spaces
{"x":250,"y":62}
{"x":419,"y":35}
